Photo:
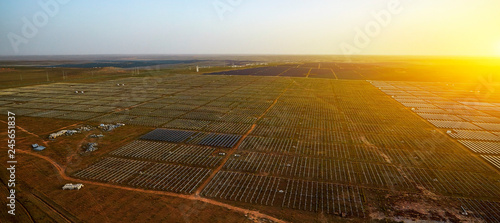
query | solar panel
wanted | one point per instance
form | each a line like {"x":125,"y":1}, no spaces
{"x":220,"y":140}
{"x":168,"y":135}
{"x":453,"y":125}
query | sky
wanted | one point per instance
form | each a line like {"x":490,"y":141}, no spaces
{"x":380,"y":27}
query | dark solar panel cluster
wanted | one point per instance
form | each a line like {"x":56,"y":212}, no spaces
{"x":220,"y":140}
{"x":296,"y":72}
{"x":168,"y":135}
{"x":259,"y":71}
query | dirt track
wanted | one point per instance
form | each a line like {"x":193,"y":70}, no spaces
{"x":26,"y":131}
{"x":61,"y":172}
{"x":233,"y":150}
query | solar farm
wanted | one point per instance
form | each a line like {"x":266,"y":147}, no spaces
{"x":306,"y":70}
{"x":474,"y":124}
{"x":324,"y":70}
{"x":311,"y":138}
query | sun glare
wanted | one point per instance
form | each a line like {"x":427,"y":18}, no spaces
{"x":498,"y":49}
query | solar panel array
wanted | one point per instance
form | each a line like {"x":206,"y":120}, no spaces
{"x":168,"y":135}
{"x":487,"y":211}
{"x":310,"y":144}
{"x":471,"y":118}
{"x":220,"y":140}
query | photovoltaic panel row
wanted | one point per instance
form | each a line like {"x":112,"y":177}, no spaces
{"x":489,"y":126}
{"x":220,"y":140}
{"x":296,"y":72}
{"x":474,"y":135}
{"x":321,"y":73}
{"x":453,"y":125}
{"x":489,"y":211}
{"x":168,"y":135}
{"x":495,"y":160}
{"x":482,"y":147}
{"x":348,"y":74}
{"x":488,"y":119}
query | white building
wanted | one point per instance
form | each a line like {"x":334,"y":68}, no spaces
{"x":71,"y":186}
{"x":57,"y":134}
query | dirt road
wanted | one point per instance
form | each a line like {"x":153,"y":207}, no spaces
{"x":61,"y":172}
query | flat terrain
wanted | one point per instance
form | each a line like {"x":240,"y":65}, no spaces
{"x":261,"y":144}
{"x":387,"y":69}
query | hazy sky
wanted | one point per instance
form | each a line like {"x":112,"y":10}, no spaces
{"x":418,"y":27}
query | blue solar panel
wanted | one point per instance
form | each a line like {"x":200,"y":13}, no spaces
{"x":168,"y":135}
{"x":220,"y":140}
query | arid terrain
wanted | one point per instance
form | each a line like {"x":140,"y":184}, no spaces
{"x":265,"y":139}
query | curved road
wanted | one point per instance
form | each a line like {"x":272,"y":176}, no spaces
{"x":61,"y":172}
{"x":196,"y":197}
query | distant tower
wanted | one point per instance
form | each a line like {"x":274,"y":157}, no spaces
{"x":197,"y":69}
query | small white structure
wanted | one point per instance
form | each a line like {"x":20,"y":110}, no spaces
{"x":96,"y":136}
{"x":57,"y":134}
{"x":71,"y":132}
{"x":91,"y":147}
{"x":37,"y":147}
{"x":464,"y":211}
{"x":71,"y":186}
{"x":110,"y":127}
